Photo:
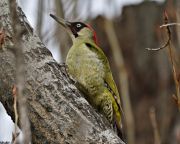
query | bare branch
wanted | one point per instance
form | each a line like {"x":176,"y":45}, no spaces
{"x":171,"y":55}
{"x":14,"y":91}
{"x":168,"y":40}
{"x":170,"y":24}
{"x":159,"y":48}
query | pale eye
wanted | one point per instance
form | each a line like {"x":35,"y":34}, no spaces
{"x":78,"y":25}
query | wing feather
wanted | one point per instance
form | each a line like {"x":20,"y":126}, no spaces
{"x":109,"y":82}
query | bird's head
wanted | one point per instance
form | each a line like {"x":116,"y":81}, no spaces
{"x":77,"y":29}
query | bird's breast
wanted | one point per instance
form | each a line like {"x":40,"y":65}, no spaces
{"x":85,"y":67}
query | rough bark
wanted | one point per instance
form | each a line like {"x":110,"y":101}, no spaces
{"x":57,"y":111}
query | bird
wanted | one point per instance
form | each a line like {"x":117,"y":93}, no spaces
{"x":89,"y":67}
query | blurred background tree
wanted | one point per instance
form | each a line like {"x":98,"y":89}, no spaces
{"x":136,"y":27}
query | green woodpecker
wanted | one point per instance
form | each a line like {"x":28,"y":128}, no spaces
{"x":89,"y":66}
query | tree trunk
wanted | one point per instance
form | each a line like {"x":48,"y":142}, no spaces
{"x":57,"y":111}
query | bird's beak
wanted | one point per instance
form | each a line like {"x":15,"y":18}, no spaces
{"x":61,"y":21}
{"x":67,"y":25}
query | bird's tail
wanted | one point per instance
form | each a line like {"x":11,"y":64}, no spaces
{"x":117,"y":125}
{"x":118,"y":131}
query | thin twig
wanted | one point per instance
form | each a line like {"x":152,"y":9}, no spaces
{"x":170,"y":24}
{"x":169,"y":37}
{"x":159,"y":48}
{"x":168,"y":44}
{"x":172,"y":61}
{"x":14,"y":137}
{"x":152,"y":115}
{"x":14,"y":92}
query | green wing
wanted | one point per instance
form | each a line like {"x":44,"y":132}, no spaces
{"x":111,"y":87}
{"x":108,"y":76}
